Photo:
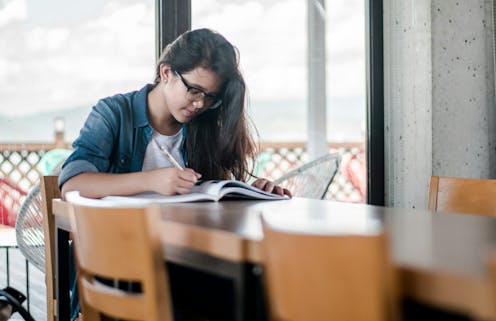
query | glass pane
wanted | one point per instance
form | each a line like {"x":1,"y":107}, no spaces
{"x":345,"y":37}
{"x":270,"y":36}
{"x":272,"y":39}
{"x":57,"y":59}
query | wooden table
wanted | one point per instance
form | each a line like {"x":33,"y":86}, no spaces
{"x":440,"y":258}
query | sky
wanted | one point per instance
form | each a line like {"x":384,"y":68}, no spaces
{"x":63,"y":54}
{"x":274,"y":49}
{"x":59,"y":54}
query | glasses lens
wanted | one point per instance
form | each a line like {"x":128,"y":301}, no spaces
{"x":196,"y":94}
{"x":215,"y":104}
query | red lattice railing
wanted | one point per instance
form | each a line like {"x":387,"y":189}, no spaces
{"x":19,"y":163}
{"x":348,"y":185}
{"x":11,"y":198}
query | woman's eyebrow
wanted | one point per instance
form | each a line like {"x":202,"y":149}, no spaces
{"x":203,"y":89}
{"x":197,"y":86}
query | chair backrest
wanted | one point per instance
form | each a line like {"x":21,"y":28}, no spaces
{"x":311,"y":180}
{"x":463,"y":195}
{"x":327,"y":277}
{"x":49,"y":190}
{"x":35,"y":231}
{"x":31,"y":232}
{"x":121,"y":244}
{"x":491,"y":267}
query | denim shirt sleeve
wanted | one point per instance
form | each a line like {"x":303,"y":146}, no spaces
{"x":93,"y":147}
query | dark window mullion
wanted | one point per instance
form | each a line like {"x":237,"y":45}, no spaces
{"x":173,"y":17}
{"x":375,"y":103}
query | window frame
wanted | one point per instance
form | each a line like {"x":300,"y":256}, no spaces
{"x":375,"y":102}
{"x":173,"y":17}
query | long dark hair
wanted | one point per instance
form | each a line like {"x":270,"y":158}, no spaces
{"x":218,"y":143}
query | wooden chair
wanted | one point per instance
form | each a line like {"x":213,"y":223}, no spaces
{"x":35,"y":233}
{"x":491,"y":267}
{"x":49,"y":190}
{"x":312,"y":277}
{"x":120,"y":244}
{"x":464,"y":195}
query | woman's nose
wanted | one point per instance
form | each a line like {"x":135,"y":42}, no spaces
{"x":198,"y":104}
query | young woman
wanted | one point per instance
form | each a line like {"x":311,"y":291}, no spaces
{"x":195,"y":110}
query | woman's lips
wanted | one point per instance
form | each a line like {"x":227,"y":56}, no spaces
{"x":189,"y":112}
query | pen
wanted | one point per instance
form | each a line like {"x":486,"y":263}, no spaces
{"x":169,"y":156}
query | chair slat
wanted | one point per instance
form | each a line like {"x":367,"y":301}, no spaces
{"x":463,"y":195}
{"x":328,"y":277}
{"x":121,"y":244}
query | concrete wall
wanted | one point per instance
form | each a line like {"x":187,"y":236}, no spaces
{"x":463,"y":132}
{"x":408,"y":92}
{"x":439,"y":96}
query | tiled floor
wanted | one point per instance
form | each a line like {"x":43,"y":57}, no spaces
{"x":17,"y":269}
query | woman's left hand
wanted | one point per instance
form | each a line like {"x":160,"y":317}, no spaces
{"x":268,"y":186}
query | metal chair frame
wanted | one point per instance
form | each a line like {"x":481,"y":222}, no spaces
{"x":333,"y":158}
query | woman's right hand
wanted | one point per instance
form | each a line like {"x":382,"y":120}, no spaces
{"x":172,"y":180}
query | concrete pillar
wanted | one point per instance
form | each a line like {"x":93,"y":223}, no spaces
{"x":408,"y":103}
{"x":59,"y":130}
{"x":439,"y":97}
{"x":463,"y":142}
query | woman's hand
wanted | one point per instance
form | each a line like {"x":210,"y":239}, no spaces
{"x":172,"y":181}
{"x":268,"y":186}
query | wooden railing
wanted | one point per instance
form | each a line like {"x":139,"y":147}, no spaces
{"x":20,"y":164}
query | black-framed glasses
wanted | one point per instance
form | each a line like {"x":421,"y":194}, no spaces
{"x":196,"y":94}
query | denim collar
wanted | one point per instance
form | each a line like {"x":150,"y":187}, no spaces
{"x":140,"y":117}
{"x":140,"y":114}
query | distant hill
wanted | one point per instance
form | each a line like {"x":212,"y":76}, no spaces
{"x":39,"y":127}
{"x":275,"y":121}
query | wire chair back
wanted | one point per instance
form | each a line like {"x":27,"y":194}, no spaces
{"x":29,"y":226}
{"x":312,"y":179}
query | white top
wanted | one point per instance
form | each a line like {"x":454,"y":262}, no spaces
{"x":155,"y":158}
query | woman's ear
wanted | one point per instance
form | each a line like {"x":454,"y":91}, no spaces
{"x":165,"y":72}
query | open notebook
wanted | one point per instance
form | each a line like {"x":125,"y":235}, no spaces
{"x":206,"y":191}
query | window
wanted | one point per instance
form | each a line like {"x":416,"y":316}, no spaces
{"x":59,"y":58}
{"x":270,"y":36}
{"x":272,"y":39}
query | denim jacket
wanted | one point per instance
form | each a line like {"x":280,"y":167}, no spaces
{"x":114,"y":137}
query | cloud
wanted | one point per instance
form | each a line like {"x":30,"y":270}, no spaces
{"x":52,"y":67}
{"x":111,"y":50}
{"x":49,"y":40}
{"x":272,"y":39}
{"x":13,"y":11}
